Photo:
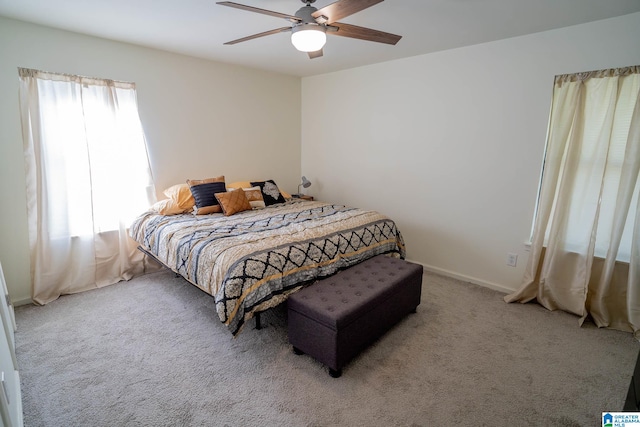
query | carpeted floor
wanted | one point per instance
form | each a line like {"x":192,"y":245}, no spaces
{"x":151,"y":352}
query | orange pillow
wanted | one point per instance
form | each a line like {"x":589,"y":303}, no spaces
{"x":181,"y":195}
{"x":167,"y":207}
{"x":233,"y":202}
{"x":285,"y":194}
{"x":240,"y":184}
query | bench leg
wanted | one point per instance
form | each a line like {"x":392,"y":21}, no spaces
{"x":258,"y":323}
{"x":335,"y":373}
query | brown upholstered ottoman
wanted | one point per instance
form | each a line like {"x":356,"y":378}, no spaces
{"x":335,"y":318}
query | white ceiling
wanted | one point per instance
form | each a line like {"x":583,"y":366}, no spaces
{"x":200,"y":27}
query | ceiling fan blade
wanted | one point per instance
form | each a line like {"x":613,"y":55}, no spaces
{"x":255,"y":36}
{"x":316,"y":54}
{"x":341,"y":9}
{"x":362,"y":33}
{"x":258,"y":10}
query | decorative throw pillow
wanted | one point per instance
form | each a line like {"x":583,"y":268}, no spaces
{"x":270,"y":192}
{"x":254,"y":196}
{"x":192,"y":182}
{"x":181,"y":195}
{"x":247,"y":184}
{"x":204,"y":192}
{"x":233,"y":201}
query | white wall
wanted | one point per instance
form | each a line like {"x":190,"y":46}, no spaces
{"x":201,"y":119}
{"x":450,"y":144}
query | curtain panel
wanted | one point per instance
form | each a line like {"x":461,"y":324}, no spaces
{"x":88,"y":176}
{"x":585,"y":254}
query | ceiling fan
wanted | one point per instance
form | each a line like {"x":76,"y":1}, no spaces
{"x":309,"y":25}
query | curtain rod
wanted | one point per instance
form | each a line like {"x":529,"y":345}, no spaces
{"x":30,"y":72}
{"x":609,"y":72}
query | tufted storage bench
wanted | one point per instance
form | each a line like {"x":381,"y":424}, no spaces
{"x":335,"y":318}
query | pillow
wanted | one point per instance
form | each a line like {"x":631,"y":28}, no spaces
{"x":247,"y":184}
{"x":270,"y":192}
{"x":204,"y":192}
{"x":285,"y":194}
{"x":254,"y":196}
{"x":192,"y":182}
{"x":241,"y":184}
{"x":233,"y":201}
{"x":167,"y":207}
{"x":181,"y":195}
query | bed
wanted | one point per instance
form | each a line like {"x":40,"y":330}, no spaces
{"x":251,"y":261}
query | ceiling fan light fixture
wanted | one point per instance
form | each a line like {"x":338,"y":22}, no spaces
{"x":308,"y":37}
{"x":309,"y":25}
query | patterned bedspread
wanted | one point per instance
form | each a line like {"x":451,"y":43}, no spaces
{"x":253,"y":260}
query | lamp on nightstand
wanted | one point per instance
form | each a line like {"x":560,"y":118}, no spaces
{"x":304,"y":184}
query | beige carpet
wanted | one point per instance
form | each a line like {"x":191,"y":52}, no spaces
{"x":151,"y":352}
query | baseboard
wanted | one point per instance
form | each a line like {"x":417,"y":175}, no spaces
{"x":437,"y":270}
{"x":19,"y":302}
{"x":464,"y":278}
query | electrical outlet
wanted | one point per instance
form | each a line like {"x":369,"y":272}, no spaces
{"x":512,"y":260}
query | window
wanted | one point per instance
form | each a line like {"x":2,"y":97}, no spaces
{"x":592,"y":168}
{"x":88,"y":177}
{"x":584,"y":249}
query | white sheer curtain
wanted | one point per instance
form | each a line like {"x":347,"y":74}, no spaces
{"x":585,"y":253}
{"x":88,"y":176}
